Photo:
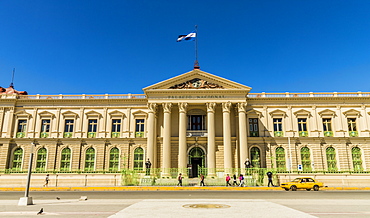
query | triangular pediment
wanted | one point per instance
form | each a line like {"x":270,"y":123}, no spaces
{"x":327,"y":113}
{"x":352,"y":113}
{"x":46,"y":114}
{"x":278,"y":113}
{"x":197,"y":80}
{"x":302,"y":113}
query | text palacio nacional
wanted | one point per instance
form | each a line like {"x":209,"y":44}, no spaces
{"x":194,"y":120}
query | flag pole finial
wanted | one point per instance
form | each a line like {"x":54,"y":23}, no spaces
{"x":196,"y":63}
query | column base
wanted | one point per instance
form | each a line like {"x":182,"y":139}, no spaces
{"x":24,"y":201}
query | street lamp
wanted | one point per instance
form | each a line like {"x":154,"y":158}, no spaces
{"x":26,"y":200}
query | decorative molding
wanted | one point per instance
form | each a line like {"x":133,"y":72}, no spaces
{"x":242,"y":107}
{"x":196,"y":83}
{"x":183,"y":106}
{"x":167,"y":107}
{"x":226,"y":107}
{"x":352,"y":113}
{"x":152,"y":107}
{"x":211,"y":107}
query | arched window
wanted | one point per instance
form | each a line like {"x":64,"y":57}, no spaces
{"x":356,"y":159}
{"x":114,"y":159}
{"x":138,"y":159}
{"x":17,"y":159}
{"x":306,"y":159}
{"x":41,"y":159}
{"x":90,"y":159}
{"x":255,"y":156}
{"x":280,"y":159}
{"x":331,"y":159}
{"x":65,"y":160}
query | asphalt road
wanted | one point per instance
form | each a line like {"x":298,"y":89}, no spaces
{"x":300,"y":194}
{"x":171,"y":203}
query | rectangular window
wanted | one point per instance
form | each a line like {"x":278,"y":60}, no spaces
{"x":22,"y":124}
{"x":326,"y":124}
{"x":68,"y":126}
{"x":196,"y":122}
{"x":45,"y":125}
{"x":253,"y":127}
{"x":116,"y":125}
{"x":302,"y":124}
{"x":351,"y":124}
{"x":139,"y":129}
{"x":93,"y":124}
{"x":278,"y":124}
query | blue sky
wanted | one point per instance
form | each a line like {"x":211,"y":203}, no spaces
{"x":120,"y":47}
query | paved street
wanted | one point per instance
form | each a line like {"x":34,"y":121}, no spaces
{"x":191,"y":204}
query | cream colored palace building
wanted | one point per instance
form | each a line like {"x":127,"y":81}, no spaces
{"x":195,"y":120}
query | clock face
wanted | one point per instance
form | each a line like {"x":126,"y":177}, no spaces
{"x":197,"y":84}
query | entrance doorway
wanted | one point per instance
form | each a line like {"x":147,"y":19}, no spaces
{"x":196,"y":162}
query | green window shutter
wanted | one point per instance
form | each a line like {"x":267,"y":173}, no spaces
{"x":138,"y":159}
{"x":114,"y":159}
{"x":255,"y":157}
{"x":280,"y":159}
{"x":65,"y":160}
{"x":90,"y":159}
{"x":17,"y":159}
{"x":306,"y":159}
{"x":331,"y":159}
{"x":41,"y":159}
{"x":357,"y":159}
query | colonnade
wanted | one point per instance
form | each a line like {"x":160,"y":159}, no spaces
{"x":211,"y":133}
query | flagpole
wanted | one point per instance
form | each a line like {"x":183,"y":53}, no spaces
{"x":196,"y":63}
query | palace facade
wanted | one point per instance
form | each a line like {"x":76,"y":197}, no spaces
{"x":192,"y":121}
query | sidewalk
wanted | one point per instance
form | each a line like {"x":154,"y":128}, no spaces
{"x":172,"y":188}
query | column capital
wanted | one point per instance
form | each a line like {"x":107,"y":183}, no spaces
{"x":226,"y":107}
{"x":167,"y":107}
{"x":183,"y":106}
{"x":242,"y":107}
{"x":152,"y":107}
{"x":211,"y":107}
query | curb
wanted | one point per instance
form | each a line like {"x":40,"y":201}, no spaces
{"x":169,"y":188}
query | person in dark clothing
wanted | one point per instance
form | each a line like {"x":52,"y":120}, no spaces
{"x":269,"y":176}
{"x":234,"y":180}
{"x":247,"y":163}
{"x":147,"y":166}
{"x":179,"y":179}
{"x":202,"y":180}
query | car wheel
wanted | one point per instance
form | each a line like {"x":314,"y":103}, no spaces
{"x":308,"y":189}
{"x":293,"y":187}
{"x":286,"y":189}
{"x":316,"y":188}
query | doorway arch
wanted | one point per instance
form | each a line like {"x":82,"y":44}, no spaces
{"x":196,"y":161}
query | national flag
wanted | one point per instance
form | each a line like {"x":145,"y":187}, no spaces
{"x":190,"y":37}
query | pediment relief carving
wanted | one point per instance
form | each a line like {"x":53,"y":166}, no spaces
{"x":196,"y":83}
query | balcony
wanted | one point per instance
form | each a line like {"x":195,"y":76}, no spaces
{"x":328,"y":133}
{"x":139,"y":134}
{"x":91,"y":135}
{"x":353,"y":133}
{"x":20,"y":134}
{"x":254,"y":134}
{"x":303,"y":133}
{"x":44,"y":135}
{"x":196,"y":133}
{"x":67,"y":135}
{"x":115,"y":134}
{"x":278,"y":133}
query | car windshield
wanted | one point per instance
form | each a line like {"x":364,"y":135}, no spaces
{"x":296,"y":180}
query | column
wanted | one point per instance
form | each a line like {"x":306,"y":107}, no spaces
{"x":182,"y":136}
{"x":167,"y":137}
{"x":151,"y":131}
{"x":211,"y":144}
{"x":243,"y":133}
{"x":10,"y":122}
{"x":2,"y":112}
{"x":227,"y":135}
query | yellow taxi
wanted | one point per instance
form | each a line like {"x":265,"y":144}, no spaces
{"x":302,"y":183}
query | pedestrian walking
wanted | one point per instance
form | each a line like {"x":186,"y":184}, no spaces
{"x":228,"y":180}
{"x":269,"y":176}
{"x":241,"y":180}
{"x":235,"y":183}
{"x":179,"y":179}
{"x":148,"y":164}
{"x":202,"y":180}
{"x":247,"y":163}
{"x":46,"y":180}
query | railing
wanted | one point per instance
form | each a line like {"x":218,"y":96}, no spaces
{"x":310,"y":94}
{"x":84,"y":96}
